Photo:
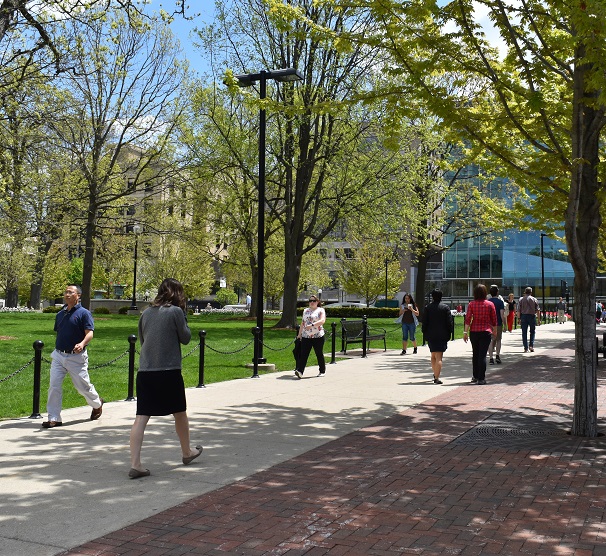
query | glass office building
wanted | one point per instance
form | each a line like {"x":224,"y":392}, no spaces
{"x":512,"y":261}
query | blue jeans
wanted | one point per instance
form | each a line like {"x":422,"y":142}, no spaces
{"x":408,"y":329}
{"x":525,"y":322}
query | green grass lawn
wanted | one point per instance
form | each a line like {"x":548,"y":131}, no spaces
{"x":229,"y":349}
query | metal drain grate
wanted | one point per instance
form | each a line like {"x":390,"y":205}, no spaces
{"x":520,"y":432}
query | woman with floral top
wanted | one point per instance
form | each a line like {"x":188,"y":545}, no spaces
{"x":311,"y":334}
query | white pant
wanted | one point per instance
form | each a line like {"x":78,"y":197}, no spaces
{"x":76,"y":364}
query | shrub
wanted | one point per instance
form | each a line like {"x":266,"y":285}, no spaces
{"x":123,"y":310}
{"x":51,"y":309}
{"x":101,"y":311}
{"x":226,"y":297}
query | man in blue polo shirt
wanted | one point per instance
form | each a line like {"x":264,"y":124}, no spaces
{"x":74,"y":326}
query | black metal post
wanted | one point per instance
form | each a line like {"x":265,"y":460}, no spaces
{"x":364,"y":334}
{"x":256,"y":333}
{"x":543,"y":277}
{"x":343,"y":335}
{"x":38,"y":345}
{"x":133,"y":305}
{"x":333,"y":358}
{"x":261,"y":220}
{"x":386,"y":264}
{"x":604,"y":345}
{"x":132,"y":340}
{"x":202,"y":334}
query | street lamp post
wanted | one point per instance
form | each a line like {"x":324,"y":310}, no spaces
{"x":133,"y":305}
{"x":246,"y":80}
{"x":543,"y":277}
{"x":386,"y":267}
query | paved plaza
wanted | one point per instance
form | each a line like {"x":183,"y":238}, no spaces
{"x":371,"y":459}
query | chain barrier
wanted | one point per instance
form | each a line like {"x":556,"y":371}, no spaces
{"x":100,"y":366}
{"x":17,"y":371}
{"x":197,"y":346}
{"x":230,"y":352}
{"x":278,"y":349}
{"x":396,"y":329}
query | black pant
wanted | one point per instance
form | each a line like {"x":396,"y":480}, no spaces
{"x":479,"y":344}
{"x":318,"y":345}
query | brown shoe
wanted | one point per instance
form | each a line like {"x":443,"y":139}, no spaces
{"x":96,"y":413}
{"x":51,"y":424}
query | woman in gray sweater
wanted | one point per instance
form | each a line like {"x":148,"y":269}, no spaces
{"x":160,"y":388}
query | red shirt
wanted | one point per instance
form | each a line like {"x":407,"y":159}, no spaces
{"x":481,"y":316}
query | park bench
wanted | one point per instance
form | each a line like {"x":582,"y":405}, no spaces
{"x":352,"y":332}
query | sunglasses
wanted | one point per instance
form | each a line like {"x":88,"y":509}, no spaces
{"x":313,"y":300}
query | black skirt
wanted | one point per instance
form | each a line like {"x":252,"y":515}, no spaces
{"x":439,"y":346}
{"x":160,"y":393}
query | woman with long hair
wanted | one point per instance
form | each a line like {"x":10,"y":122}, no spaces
{"x":409,"y":313}
{"x":160,"y":388}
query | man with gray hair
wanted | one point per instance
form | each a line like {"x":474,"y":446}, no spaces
{"x":528,"y":311}
{"x":74,"y":326}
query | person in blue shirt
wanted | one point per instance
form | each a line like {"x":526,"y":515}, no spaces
{"x":74,"y":326}
{"x":499,"y":306}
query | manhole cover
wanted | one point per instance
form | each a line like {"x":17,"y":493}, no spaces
{"x":516,"y":431}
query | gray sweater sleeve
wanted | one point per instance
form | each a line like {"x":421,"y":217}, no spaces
{"x":162,"y":330}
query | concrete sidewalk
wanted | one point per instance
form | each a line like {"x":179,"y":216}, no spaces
{"x":311,"y":464}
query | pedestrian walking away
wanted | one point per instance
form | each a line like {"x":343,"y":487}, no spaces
{"x":529,"y":314}
{"x":511,"y":306}
{"x":561,"y":309}
{"x":480,"y":327}
{"x":311,"y":334}
{"x":499,"y":306}
{"x":160,"y":388}
{"x":437,"y":330}
{"x":75,"y":327}
{"x":409,"y":313}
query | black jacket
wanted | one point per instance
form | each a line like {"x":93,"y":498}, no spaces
{"x":437,"y":322}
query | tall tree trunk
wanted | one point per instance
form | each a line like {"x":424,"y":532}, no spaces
{"x":89,"y":255}
{"x":420,"y":283}
{"x":292,"y":273}
{"x":582,"y":228}
{"x":12,"y":296}
{"x":35,"y":293}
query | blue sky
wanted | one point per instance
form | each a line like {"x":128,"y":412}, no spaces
{"x":202,"y":13}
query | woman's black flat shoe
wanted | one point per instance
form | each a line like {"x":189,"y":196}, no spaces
{"x":188,"y":460}
{"x":136,"y":474}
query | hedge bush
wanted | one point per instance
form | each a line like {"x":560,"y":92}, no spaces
{"x":51,"y":309}
{"x":101,"y":311}
{"x":357,"y":312}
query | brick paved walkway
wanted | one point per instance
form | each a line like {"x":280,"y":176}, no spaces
{"x":478,"y":470}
